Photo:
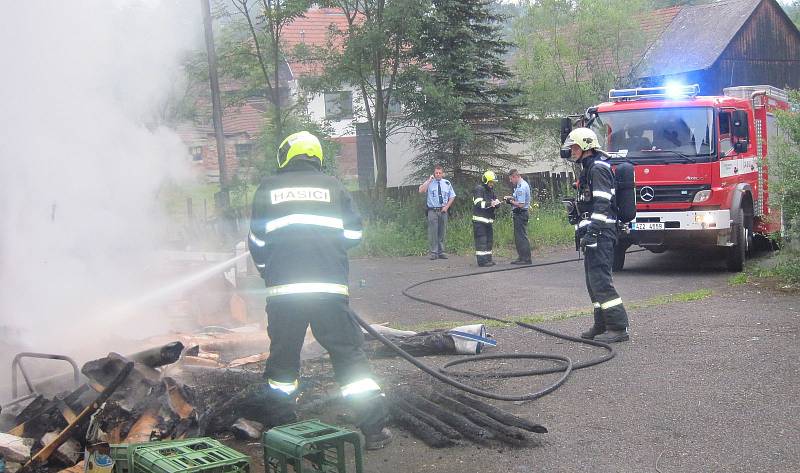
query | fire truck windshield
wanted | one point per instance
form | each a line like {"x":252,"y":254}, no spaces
{"x":658,"y":134}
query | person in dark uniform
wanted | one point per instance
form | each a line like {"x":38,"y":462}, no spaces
{"x":302,"y":224}
{"x":521,"y":202}
{"x":484,"y":202}
{"x":597,"y":230}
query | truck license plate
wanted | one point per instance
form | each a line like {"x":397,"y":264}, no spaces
{"x":648,"y":226}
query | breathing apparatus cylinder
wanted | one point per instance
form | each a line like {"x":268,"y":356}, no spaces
{"x":626,"y":191}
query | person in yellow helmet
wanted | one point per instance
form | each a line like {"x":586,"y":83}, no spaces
{"x":302,"y":224}
{"x":484,"y":203}
{"x":597,"y":231}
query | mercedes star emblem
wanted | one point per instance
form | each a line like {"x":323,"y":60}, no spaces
{"x":647,"y":193}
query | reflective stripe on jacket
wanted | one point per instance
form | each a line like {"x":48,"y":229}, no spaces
{"x":482,"y":197}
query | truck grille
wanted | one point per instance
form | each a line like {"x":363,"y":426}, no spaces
{"x":670,"y":193}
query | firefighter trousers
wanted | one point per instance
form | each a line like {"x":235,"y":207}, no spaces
{"x":335,"y":328}
{"x":484,"y":240}
{"x":597,"y":264}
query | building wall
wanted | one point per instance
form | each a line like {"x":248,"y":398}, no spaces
{"x":765,"y":51}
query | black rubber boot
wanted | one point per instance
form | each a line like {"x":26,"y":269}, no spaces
{"x":598,"y":327}
{"x":613,"y":336}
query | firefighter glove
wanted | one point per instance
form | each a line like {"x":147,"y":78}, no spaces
{"x":589,"y":240}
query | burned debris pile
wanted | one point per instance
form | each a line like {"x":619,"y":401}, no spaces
{"x":169,"y":392}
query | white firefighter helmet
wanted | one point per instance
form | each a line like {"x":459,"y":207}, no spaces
{"x":583,"y":137}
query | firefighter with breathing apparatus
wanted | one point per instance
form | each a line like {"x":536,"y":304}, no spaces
{"x":595,"y":217}
{"x":302,"y":224}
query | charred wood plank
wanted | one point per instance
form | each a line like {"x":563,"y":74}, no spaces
{"x":466,"y":427}
{"x":504,"y":433}
{"x":500,"y":415}
{"x":437,"y":424}
{"x":419,"y":428}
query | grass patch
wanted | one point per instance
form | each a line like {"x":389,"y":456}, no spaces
{"x":738,"y":279}
{"x":660,"y":300}
{"x":409,"y":236}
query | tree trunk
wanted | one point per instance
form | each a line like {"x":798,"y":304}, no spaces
{"x":379,"y":146}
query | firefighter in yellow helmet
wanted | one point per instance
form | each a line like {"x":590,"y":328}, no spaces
{"x":302,"y":224}
{"x":484,"y":203}
{"x":597,"y":231}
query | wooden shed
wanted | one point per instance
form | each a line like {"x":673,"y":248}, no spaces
{"x":725,"y":43}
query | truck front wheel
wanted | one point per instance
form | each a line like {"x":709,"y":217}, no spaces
{"x":738,"y":252}
{"x":619,"y":256}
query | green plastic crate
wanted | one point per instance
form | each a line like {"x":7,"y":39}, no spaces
{"x":310,"y":446}
{"x":201,"y":455}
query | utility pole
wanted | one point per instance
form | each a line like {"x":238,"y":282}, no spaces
{"x":223,"y":200}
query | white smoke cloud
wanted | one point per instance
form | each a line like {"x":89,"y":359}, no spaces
{"x":82,"y":160}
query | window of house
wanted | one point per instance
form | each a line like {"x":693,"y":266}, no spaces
{"x":244,"y":151}
{"x":196,"y":152}
{"x":338,"y":105}
{"x":394,"y":107}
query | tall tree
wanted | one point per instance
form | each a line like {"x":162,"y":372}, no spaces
{"x":570,"y":54}
{"x":370,"y":56}
{"x":464,"y":110}
{"x":253,"y":52}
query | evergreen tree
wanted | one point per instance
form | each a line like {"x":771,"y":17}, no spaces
{"x":457,"y":96}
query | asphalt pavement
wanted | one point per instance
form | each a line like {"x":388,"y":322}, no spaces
{"x":707,"y":385}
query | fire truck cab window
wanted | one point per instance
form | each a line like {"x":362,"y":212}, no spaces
{"x":658,"y":134}
{"x":725,"y":143}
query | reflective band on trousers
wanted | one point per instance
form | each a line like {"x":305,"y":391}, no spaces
{"x":307,"y":287}
{"x":304,"y":219}
{"x":482,"y":219}
{"x":257,"y":241}
{"x":287,"y":388}
{"x":611,"y":303}
{"x":605,"y":195}
{"x":483,"y":253}
{"x":352,"y":234}
{"x":360,"y":386}
{"x":596,"y":305}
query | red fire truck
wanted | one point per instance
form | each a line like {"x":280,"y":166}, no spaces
{"x":701,"y":166}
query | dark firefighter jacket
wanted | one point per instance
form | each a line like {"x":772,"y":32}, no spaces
{"x":596,"y":196}
{"x":482,"y":197}
{"x":302,"y":224}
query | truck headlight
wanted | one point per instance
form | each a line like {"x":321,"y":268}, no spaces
{"x":702,"y":196}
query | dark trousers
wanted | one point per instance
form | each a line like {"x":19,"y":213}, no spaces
{"x":484,"y":240}
{"x":520,"y":218}
{"x":609,"y":310}
{"x":336,"y":330}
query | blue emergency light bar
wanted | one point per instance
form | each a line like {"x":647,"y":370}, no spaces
{"x":665,"y":92}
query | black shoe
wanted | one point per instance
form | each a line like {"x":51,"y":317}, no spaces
{"x":442,"y":256}
{"x":613,"y":336}
{"x":378,"y":440}
{"x":517,"y":261}
{"x":433,"y":257}
{"x":593,"y":332}
{"x":484,"y":265}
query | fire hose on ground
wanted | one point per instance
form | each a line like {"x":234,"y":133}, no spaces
{"x":449,"y":377}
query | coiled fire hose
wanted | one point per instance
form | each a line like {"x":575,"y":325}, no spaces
{"x":449,"y":377}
